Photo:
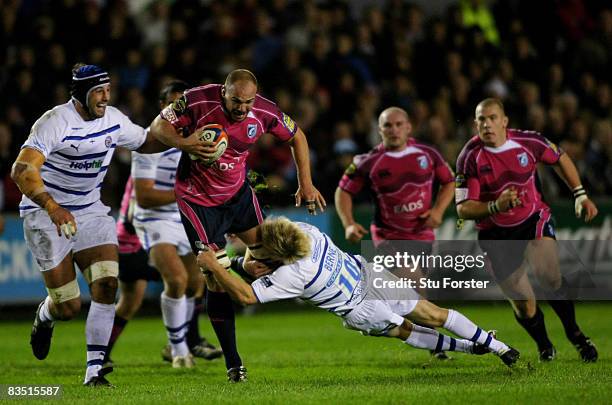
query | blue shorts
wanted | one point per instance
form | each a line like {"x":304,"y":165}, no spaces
{"x":506,"y":257}
{"x":208,"y":225}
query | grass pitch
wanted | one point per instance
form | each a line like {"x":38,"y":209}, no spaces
{"x":308,"y":357}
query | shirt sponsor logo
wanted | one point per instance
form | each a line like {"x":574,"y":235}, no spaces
{"x":350,"y":170}
{"x":168,"y":114}
{"x":459,"y":180}
{"x":94,"y":164}
{"x":252,"y":130}
{"x":288,"y":123}
{"x":410,"y":207}
{"x":423,"y":163}
{"x":266,"y":281}
{"x":522,"y":159}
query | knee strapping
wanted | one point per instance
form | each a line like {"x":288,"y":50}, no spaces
{"x":97,"y":270}
{"x":64,"y":293}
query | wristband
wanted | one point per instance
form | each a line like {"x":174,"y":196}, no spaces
{"x":493,"y":207}
{"x":578,"y":191}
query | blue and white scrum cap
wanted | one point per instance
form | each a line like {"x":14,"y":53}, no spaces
{"x":85,"y":79}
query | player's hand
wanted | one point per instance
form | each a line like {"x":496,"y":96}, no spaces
{"x":63,"y":220}
{"x":200,"y":149}
{"x":586,"y":205}
{"x":206,"y":260}
{"x":508,"y":199}
{"x":311,"y":197}
{"x":354,"y":232}
{"x":256,"y":268}
{"x":433,"y":218}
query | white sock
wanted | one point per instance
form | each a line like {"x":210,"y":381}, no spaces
{"x":190,"y":308}
{"x":45,"y":313}
{"x":98,"y":329}
{"x":426,"y":338}
{"x":460,"y":325}
{"x":174,"y":311}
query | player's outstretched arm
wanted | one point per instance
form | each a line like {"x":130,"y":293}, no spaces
{"x":26,"y":174}
{"x":353,"y":231}
{"x":306,"y":192}
{"x":566,"y":169}
{"x":237,"y":288}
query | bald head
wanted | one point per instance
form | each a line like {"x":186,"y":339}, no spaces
{"x":240,"y":75}
{"x":394,"y":128}
{"x":239,"y":93}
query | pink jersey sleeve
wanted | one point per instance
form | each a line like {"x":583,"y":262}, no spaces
{"x":281,"y":126}
{"x":467,"y":185}
{"x":179,"y":113}
{"x":542,"y":149}
{"x":354,"y":177}
{"x":442,"y":170}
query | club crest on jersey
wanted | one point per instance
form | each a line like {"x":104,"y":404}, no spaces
{"x":522,"y":159}
{"x":288,"y":122}
{"x":180,"y":105}
{"x":350,"y":170}
{"x":252,"y":130}
{"x":108,"y":141}
{"x":423,"y":163}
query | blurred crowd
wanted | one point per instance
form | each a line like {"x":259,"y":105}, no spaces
{"x":332,"y":66}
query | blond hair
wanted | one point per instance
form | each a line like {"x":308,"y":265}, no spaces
{"x":284,"y":240}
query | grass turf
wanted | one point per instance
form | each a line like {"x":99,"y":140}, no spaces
{"x":307,"y":356}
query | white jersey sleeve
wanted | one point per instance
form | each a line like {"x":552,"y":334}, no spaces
{"x":144,"y":166}
{"x":46,"y":133}
{"x":285,"y":282}
{"x":132,"y":136}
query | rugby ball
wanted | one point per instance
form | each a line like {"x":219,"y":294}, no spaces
{"x":216,"y":134}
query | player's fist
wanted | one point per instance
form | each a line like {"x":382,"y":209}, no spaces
{"x":256,"y":268}
{"x":508,"y":199}
{"x":433,"y":218}
{"x":354,"y":232}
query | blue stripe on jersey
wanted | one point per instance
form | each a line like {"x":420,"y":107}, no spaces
{"x":164,"y":209}
{"x":68,"y":207}
{"x":172,"y":169}
{"x":85,"y":157}
{"x":163,"y":183}
{"x":171,"y":152}
{"x":71,"y":174}
{"x":329,"y":299}
{"x":154,"y":219}
{"x":320,"y":265}
{"x":317,"y":293}
{"x":94,"y":135}
{"x":65,"y":190}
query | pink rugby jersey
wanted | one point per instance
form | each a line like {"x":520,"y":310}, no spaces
{"x":484,"y":172}
{"x":214,"y":185}
{"x":128,"y":242}
{"x":402,"y":186}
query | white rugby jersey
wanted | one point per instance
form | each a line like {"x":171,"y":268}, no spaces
{"x":78,"y":153}
{"x":329,"y":278}
{"x":160,"y":167}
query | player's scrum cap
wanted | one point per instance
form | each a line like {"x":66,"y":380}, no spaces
{"x":85,"y":79}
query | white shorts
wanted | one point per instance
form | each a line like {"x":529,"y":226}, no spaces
{"x":380,"y":310}
{"x":152,"y":233}
{"x":94,"y":228}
